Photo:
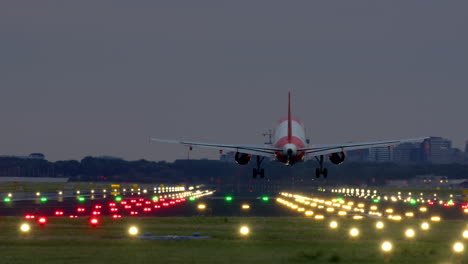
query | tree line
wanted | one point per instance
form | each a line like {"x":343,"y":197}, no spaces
{"x":219,"y":172}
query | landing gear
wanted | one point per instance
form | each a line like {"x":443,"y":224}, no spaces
{"x":258,"y":170}
{"x":321,"y":170}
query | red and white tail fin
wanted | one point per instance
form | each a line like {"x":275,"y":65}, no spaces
{"x":289,"y":119}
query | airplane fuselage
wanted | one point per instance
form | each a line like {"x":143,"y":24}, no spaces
{"x":289,"y":141}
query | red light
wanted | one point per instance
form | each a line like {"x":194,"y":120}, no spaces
{"x":58,"y":213}
{"x":141,"y":199}
{"x":162,"y":200}
{"x":28,"y":216}
{"x":116,"y":216}
{"x":133,"y":201}
{"x":94,"y":221}
{"x":134,"y":213}
{"x":73,"y":216}
{"x":138,"y":204}
{"x":431,"y":203}
{"x":97,"y":206}
{"x":172,"y":202}
{"x":183,"y":199}
{"x":96,"y":213}
{"x":464,"y":206}
{"x":128,"y":207}
{"x":114,"y":209}
{"x":157,"y":206}
{"x":148,"y":202}
{"x":147,"y":209}
{"x":80,"y":209}
{"x":111,"y":204}
{"x":42,"y":220}
{"x":123,"y":202}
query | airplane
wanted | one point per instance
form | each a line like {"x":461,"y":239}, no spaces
{"x":290,"y":147}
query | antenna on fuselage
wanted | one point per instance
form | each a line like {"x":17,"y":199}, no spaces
{"x":289,"y":119}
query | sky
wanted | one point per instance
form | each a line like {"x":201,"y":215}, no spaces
{"x":81,"y":78}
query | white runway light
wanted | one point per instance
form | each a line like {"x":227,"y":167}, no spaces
{"x":244,"y":230}
{"x":25,"y":228}
{"x":133,"y":231}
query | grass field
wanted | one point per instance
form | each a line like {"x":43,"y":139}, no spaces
{"x":272,"y":240}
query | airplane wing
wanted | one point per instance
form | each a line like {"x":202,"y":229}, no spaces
{"x":318,"y":150}
{"x":247,"y":149}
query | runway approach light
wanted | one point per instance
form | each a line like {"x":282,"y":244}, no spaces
{"x":458,"y":248}
{"x":25,"y":228}
{"x":409,"y":233}
{"x":379,"y":225}
{"x":354,"y":232}
{"x":244,"y":230}
{"x":42,"y":221}
{"x":386,"y":246}
{"x":133,"y":231}
{"x":425,"y":226}
{"x":333,"y":224}
{"x":93,"y":222}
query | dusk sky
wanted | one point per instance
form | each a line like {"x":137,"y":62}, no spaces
{"x":81,"y":78}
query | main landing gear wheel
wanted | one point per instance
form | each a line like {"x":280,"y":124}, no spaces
{"x":321,"y":171}
{"x":258,"y":170}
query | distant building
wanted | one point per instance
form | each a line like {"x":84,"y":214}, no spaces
{"x":381,"y":154}
{"x":357,"y":155}
{"x":408,"y":153}
{"x":438,"y":150}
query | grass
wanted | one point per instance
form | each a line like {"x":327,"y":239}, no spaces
{"x":272,"y":240}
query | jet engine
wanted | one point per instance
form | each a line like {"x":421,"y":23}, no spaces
{"x":242,"y":158}
{"x":337,"y":158}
